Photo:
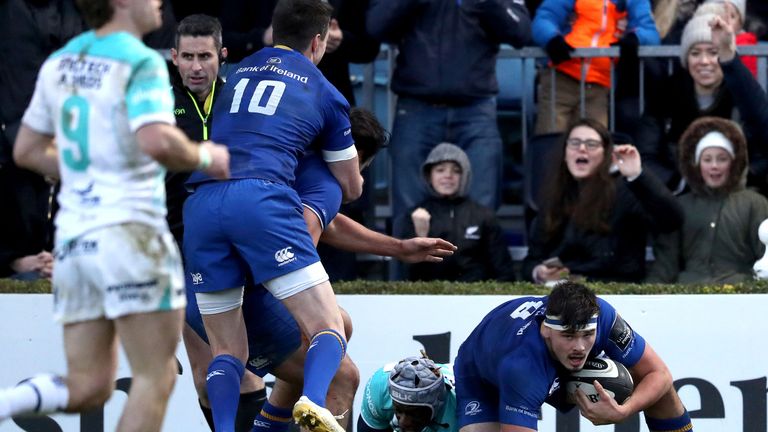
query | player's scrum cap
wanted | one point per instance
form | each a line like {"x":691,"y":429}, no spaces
{"x":555,"y":322}
{"x":417,"y":381}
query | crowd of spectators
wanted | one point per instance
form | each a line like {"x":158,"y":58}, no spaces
{"x":606,"y":202}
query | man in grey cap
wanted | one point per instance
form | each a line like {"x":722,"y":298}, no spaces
{"x":413,"y":395}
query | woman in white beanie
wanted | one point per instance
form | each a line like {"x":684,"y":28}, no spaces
{"x":718,"y":242}
{"x":713,"y":82}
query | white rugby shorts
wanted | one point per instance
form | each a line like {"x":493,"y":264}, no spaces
{"x":117,"y":270}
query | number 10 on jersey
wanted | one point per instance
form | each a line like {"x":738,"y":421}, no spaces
{"x":255,"y":106}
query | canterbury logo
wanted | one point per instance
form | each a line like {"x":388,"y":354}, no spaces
{"x":284,"y":255}
{"x":217,"y":372}
{"x":197,"y":278}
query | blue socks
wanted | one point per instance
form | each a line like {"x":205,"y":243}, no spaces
{"x":326,"y":350}
{"x":272,"y":419}
{"x":677,"y":424}
{"x":223,"y":385}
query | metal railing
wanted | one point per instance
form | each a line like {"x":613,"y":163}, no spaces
{"x":537,"y":55}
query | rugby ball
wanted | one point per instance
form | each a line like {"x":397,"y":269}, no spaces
{"x":613,"y":376}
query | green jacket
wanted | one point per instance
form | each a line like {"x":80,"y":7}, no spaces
{"x":718,"y":242}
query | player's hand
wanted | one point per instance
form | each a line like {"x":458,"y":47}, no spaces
{"x":421,"y":218}
{"x":723,"y":38}
{"x":419,"y":249}
{"x":627,"y":159}
{"x":604,"y":411}
{"x":335,"y":36}
{"x":219,"y":167}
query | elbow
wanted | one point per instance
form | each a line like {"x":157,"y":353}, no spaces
{"x":353,"y":189}
{"x":351,"y":194}
{"x":21,"y":157}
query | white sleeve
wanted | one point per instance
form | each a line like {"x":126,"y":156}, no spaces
{"x":38,"y":115}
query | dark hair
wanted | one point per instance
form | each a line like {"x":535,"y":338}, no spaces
{"x":96,"y":12}
{"x":574,"y":303}
{"x":200,"y":25}
{"x":296,"y":22}
{"x":588,"y":203}
{"x":369,"y":135}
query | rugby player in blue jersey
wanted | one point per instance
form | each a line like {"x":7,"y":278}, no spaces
{"x":274,"y":106}
{"x":512,"y":362}
{"x":274,"y":340}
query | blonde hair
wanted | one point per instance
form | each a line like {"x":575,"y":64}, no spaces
{"x":711,"y":8}
{"x":665,"y":14}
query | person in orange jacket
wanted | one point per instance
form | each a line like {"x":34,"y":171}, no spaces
{"x":559,"y":27}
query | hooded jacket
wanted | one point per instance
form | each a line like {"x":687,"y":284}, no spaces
{"x":482,"y":253}
{"x":718,"y":242}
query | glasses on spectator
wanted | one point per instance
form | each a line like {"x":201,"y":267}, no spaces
{"x":590,"y":144}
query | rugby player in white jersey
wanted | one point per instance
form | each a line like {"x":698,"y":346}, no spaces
{"x":101,"y":119}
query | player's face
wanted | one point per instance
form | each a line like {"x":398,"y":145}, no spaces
{"x":584,"y":152}
{"x":704,"y":66}
{"x":568,"y":347}
{"x":445,"y":178}
{"x":412,"y":418}
{"x":147,"y":15}
{"x":715,"y":165}
{"x":197,"y":62}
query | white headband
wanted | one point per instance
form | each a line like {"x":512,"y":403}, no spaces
{"x":555,"y":322}
{"x":713,"y":139}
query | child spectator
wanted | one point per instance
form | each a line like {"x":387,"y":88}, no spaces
{"x":718,"y":242}
{"x":594,"y":224}
{"x":451,"y":215}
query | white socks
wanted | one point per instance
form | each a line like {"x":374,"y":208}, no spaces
{"x":40,"y":395}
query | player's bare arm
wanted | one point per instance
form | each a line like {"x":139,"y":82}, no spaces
{"x":169,"y":146}
{"x":346,"y":234}
{"x":36,"y":152}
{"x":653,"y":380}
{"x":347,"y":172}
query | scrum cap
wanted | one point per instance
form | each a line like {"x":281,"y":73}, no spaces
{"x":417,"y":381}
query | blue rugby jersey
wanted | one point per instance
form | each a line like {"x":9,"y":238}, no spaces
{"x":272,"y":108}
{"x":508,"y":355}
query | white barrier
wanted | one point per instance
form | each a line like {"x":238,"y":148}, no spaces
{"x":713,"y":344}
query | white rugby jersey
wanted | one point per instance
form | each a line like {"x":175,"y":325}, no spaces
{"x":93,"y":95}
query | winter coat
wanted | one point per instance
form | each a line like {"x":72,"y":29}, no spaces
{"x":447,"y":49}
{"x":482,"y":253}
{"x":592,"y":24}
{"x":641,"y":206}
{"x":718,"y":241}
